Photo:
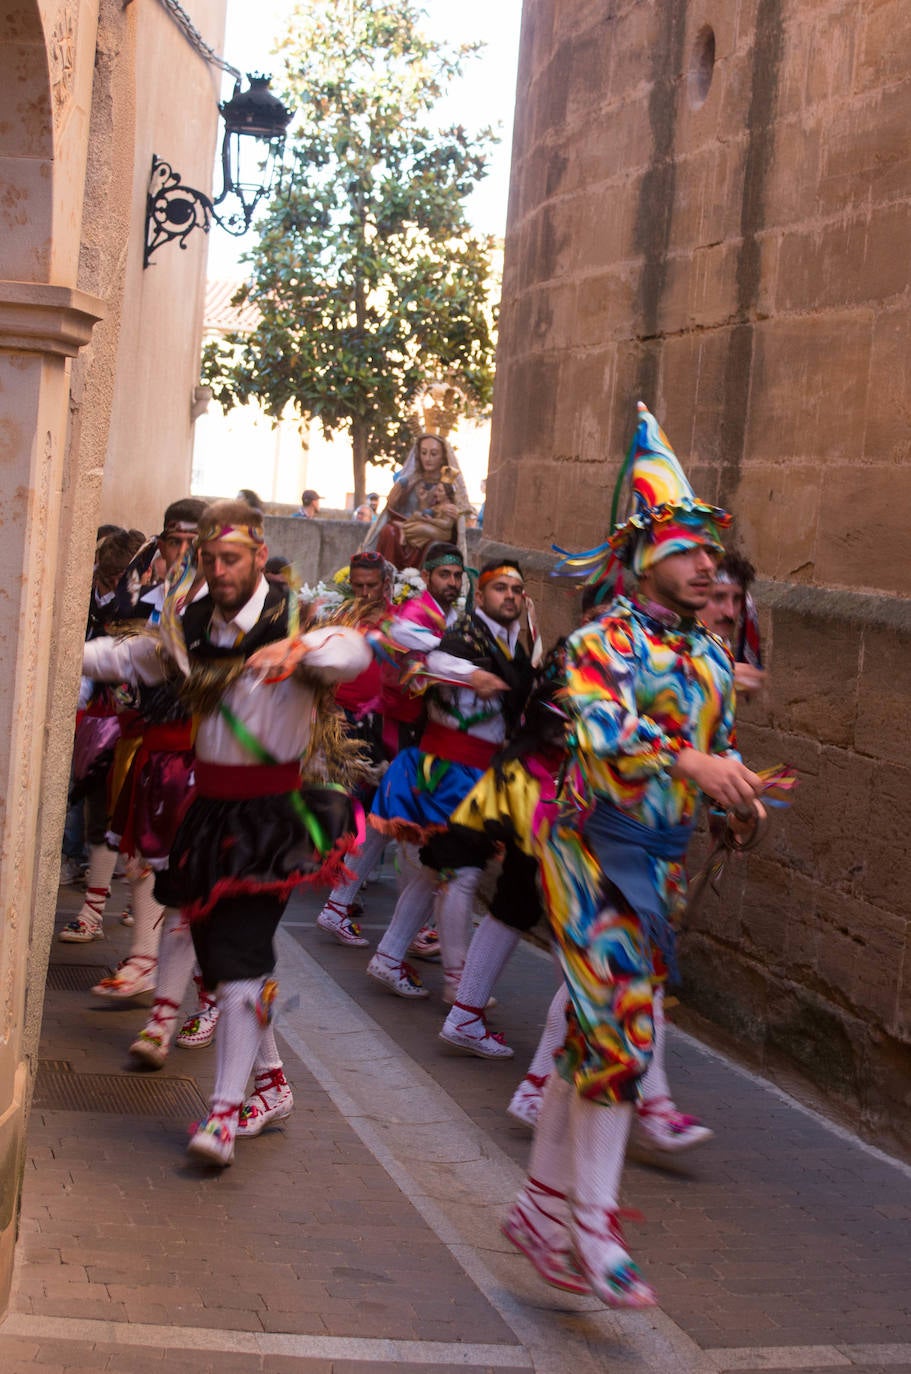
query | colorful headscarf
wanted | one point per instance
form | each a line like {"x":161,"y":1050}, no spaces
{"x":251,"y":536}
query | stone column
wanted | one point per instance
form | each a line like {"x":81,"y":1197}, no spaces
{"x":41,"y":328}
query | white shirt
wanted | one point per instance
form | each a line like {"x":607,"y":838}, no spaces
{"x":486,"y":717}
{"x":277,"y":714}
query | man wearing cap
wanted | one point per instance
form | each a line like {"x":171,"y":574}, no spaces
{"x":481,"y":677}
{"x":309,"y":510}
{"x":649,"y":695}
{"x":414,"y":632}
{"x":262,"y":821}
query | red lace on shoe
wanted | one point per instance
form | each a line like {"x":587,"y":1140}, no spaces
{"x":409,"y":971}
{"x":222,"y":1115}
{"x":263,"y":1083}
{"x":544,"y":1188}
{"x":206,"y":1000}
{"x":664,"y":1109}
{"x":143,"y":963}
{"x":537,"y":1080}
{"x":95,"y":897}
{"x":477,"y":1014}
{"x":157,"y":1018}
{"x":270,"y":1078}
{"x":344,"y":913}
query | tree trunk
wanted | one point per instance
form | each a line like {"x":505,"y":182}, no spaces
{"x":359,"y":460}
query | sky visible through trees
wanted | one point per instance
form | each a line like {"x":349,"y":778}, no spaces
{"x":484,"y":95}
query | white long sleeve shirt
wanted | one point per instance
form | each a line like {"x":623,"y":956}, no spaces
{"x":276,"y":714}
{"x":452,"y":706}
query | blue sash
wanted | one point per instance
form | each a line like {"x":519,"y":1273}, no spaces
{"x":623,"y":847}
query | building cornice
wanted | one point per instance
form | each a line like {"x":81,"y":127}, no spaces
{"x":38,"y":318}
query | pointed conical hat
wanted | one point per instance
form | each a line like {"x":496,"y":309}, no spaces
{"x":666,"y":516}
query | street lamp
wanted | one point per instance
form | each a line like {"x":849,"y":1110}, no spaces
{"x":256,"y":123}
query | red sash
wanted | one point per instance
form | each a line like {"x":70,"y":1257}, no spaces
{"x":240,"y":782}
{"x":457,"y":746}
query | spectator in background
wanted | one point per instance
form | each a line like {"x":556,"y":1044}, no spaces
{"x":251,"y":498}
{"x":480,"y":520}
{"x":310,"y":500}
{"x":363,"y":514}
{"x":278,"y":570}
{"x":373,"y":501}
{"x":731,"y":614}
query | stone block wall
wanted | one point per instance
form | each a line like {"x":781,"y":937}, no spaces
{"x":709,"y":210}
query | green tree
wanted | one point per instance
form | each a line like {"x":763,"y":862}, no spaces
{"x":367,"y":278}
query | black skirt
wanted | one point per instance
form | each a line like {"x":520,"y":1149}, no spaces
{"x":262,"y":845}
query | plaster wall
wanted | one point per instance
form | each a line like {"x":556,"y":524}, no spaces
{"x":68,"y":115}
{"x":150,"y":444}
{"x":726,"y":239}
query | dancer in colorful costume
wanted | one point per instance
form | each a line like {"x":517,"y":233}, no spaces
{"x":261,"y":823}
{"x":159,"y":773}
{"x":649,"y":693}
{"x":499,"y":814}
{"x":481,"y":676}
{"x":417,"y":629}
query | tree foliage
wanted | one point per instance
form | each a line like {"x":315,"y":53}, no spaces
{"x":367,"y":279}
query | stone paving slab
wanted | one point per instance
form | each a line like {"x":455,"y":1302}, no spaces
{"x":779,"y":1232}
{"x":781,"y":1245}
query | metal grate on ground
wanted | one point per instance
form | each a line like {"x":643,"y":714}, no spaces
{"x":61,"y":1090}
{"x":75,"y":977}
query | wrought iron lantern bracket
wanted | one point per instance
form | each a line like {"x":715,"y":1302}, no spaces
{"x":173,"y":210}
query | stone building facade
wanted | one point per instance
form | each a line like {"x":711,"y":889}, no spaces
{"x":710,"y":210}
{"x":97,"y":366}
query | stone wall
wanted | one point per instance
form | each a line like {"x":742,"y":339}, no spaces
{"x":709,"y":211}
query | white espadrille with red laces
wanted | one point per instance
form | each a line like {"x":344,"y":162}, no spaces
{"x":603,"y":1258}
{"x":198,"y":1030}
{"x":135,"y":975}
{"x":153,"y":1041}
{"x":396,"y":975}
{"x":466,"y":1029}
{"x":89,"y":924}
{"x":659,"y":1126}
{"x":336,"y":919}
{"x":525,"y":1103}
{"x":537,"y":1225}
{"x":212,"y":1141}
{"x":271,"y":1100}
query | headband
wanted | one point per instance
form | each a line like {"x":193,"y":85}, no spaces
{"x":177,"y":527}
{"x":441,"y":560}
{"x":505,"y":569}
{"x":251,"y":536}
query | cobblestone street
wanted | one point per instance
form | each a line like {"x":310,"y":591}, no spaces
{"x":364,"y":1235}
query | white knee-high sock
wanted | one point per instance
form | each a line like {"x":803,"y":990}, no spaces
{"x":237,"y":1041}
{"x":455,"y":913}
{"x":551,"y":1161}
{"x":654,"y":1080}
{"x":175,"y":957}
{"x":552,"y":1036}
{"x":147,"y":912}
{"x":599,"y":1136}
{"x":407,"y":863}
{"x":411,"y":911}
{"x":362,"y":865}
{"x":102,"y":862}
{"x":491,"y":947}
{"x":267,"y":1055}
